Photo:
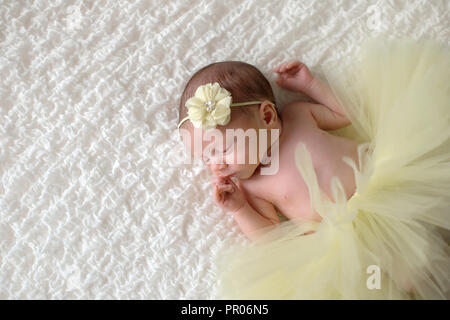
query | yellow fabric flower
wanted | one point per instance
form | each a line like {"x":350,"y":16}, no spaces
{"x":209,"y":106}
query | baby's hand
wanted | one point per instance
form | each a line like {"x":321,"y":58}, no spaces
{"x":227,"y":194}
{"x":293,"y":75}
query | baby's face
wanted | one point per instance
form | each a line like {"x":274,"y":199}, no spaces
{"x":230,"y":156}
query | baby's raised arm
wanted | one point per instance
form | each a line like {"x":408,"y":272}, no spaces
{"x":295,"y":76}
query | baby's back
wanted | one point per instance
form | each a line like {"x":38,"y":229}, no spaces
{"x":291,"y":195}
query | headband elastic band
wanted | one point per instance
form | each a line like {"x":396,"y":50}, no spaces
{"x":210,"y":106}
{"x":232,"y":105}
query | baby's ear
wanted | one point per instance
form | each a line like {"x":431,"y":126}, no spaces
{"x":267,"y":113}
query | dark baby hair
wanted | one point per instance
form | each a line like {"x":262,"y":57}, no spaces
{"x":244,"y":81}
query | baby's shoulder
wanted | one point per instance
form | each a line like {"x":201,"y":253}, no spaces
{"x":297,"y":119}
{"x":297,"y":111}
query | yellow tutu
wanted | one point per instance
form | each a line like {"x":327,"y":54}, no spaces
{"x":384,"y":242}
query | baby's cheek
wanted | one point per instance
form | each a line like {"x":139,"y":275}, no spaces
{"x":231,"y":158}
{"x":243,"y":155}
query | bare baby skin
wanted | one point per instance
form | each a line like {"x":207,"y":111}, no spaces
{"x":253,"y":198}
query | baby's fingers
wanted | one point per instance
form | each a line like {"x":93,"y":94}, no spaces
{"x":220,"y":189}
{"x":217,"y":195}
{"x":225,"y":187}
{"x":217,"y":179}
{"x":287,"y":65}
{"x":278,"y":68}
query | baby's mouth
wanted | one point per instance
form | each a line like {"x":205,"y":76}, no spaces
{"x":227,"y":175}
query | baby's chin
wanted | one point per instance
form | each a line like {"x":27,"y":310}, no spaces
{"x":246,"y":173}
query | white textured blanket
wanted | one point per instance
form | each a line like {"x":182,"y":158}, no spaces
{"x":91,"y":206}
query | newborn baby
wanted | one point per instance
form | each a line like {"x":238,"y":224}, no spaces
{"x":371,"y":210}
{"x":254,"y":198}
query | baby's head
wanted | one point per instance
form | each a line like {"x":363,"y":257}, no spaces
{"x":245,"y":83}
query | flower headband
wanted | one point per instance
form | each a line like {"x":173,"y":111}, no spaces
{"x":210,"y":106}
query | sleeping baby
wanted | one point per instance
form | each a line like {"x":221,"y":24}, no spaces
{"x":362,"y":218}
{"x":242,"y":188}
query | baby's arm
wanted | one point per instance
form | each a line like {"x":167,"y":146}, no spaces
{"x":250,"y":220}
{"x":231,"y":198}
{"x":295,"y":76}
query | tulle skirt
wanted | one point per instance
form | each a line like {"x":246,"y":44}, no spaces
{"x":385,"y":242}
